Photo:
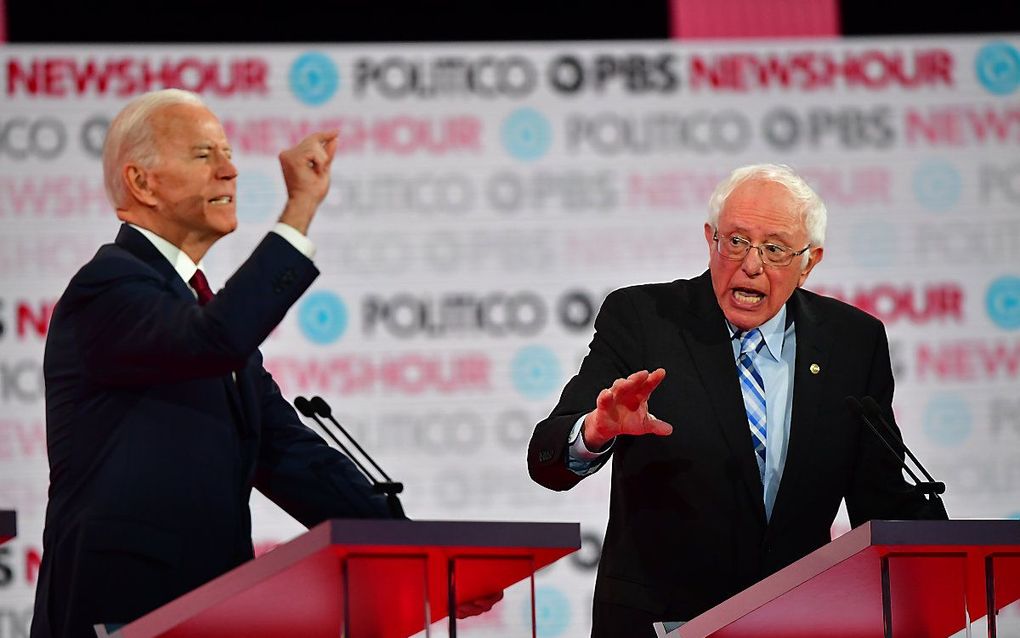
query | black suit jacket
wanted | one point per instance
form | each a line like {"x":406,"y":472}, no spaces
{"x":153,"y":446}
{"x":687,"y":525}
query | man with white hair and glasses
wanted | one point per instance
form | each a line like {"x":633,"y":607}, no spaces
{"x":721,"y":399}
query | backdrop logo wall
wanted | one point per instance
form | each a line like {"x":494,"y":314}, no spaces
{"x":874,"y":244}
{"x":937,"y":185}
{"x":535,"y":372}
{"x":552,"y":612}
{"x":998,"y":68}
{"x":256,"y":196}
{"x":322,"y":317}
{"x":314,"y":78}
{"x":947,"y":420}
{"x":526,"y":134}
{"x":23,"y":138}
{"x":1003,"y":302}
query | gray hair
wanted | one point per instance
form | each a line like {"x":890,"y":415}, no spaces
{"x":810,"y":206}
{"x":130,"y":138}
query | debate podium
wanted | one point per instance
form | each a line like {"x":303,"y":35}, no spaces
{"x":362,"y":578}
{"x":884,"y":579}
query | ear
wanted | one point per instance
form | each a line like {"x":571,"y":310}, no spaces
{"x":138,"y":181}
{"x":815,"y":256}
{"x":709,"y":233}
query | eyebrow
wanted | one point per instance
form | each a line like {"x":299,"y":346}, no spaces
{"x":209,"y":146}
{"x":781,"y":236}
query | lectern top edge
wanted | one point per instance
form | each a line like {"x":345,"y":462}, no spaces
{"x":455,"y":533}
{"x":956,"y":532}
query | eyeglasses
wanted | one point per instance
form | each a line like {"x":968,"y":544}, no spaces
{"x":736,"y":248}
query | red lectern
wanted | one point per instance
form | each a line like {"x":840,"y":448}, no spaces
{"x":362,"y":578}
{"x":885,"y":578}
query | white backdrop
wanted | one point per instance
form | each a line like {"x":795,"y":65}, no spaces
{"x":486,"y":198}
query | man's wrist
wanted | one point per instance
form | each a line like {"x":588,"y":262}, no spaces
{"x":594,"y":442}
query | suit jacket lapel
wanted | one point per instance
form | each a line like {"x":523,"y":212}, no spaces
{"x":712,"y":354}
{"x":813,"y":348}
{"x":135,"y":243}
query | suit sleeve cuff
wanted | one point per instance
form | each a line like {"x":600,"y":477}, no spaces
{"x":294,"y":237}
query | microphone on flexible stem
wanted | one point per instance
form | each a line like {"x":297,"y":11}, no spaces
{"x":931,"y":488}
{"x":317,"y":406}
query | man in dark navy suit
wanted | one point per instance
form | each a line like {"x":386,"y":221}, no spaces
{"x":734,"y":464}
{"x":160,"y":417}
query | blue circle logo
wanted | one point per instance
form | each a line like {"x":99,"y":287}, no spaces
{"x":257,"y":196}
{"x":1003,"y":302}
{"x":998,"y":68}
{"x":535,"y":371}
{"x":314,"y":78}
{"x":322,"y":317}
{"x":526,"y":134}
{"x":947,"y":420}
{"x":937,"y":185}
{"x":552,"y":612}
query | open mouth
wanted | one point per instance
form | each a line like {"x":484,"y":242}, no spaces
{"x":747,"y":297}
{"x":220,"y":201}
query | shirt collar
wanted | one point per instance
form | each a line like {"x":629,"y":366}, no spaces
{"x":177,"y":257}
{"x":773,"y":331}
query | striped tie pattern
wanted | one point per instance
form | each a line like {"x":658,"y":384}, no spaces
{"x":753,"y":388}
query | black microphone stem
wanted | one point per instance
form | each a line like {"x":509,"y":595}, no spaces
{"x":872,"y":407}
{"x":320,"y":406}
{"x":858,"y":409}
{"x":304,"y":407}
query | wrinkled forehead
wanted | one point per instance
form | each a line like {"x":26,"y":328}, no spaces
{"x":187,"y":124}
{"x":762,"y":206}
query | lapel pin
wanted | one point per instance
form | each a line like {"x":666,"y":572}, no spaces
{"x":815,"y":368}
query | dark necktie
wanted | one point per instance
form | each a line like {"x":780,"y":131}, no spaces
{"x":201,"y":286}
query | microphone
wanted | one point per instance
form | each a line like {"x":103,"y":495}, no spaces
{"x":317,"y":407}
{"x":870,"y":412}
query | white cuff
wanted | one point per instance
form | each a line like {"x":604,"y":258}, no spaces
{"x":295,"y":239}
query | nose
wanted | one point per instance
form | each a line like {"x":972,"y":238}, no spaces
{"x":753,"y":264}
{"x":225,"y":168}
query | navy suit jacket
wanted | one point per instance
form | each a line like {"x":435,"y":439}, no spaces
{"x":154,"y":448}
{"x":687,"y":526}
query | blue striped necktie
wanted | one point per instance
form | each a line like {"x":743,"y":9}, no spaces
{"x":752,"y":386}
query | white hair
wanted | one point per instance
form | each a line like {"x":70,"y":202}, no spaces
{"x":130,"y":138}
{"x":809,"y":205}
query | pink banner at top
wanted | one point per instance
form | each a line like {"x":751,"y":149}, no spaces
{"x":754,"y":18}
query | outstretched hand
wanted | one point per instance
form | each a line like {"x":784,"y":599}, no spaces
{"x":623,"y":409}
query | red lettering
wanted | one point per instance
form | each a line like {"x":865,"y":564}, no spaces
{"x":968,"y":360}
{"x":958,"y":126}
{"x":938,"y":302}
{"x":57,"y":196}
{"x":410,"y":374}
{"x":19,"y":78}
{"x":1000,"y":359}
{"x":33,"y":557}
{"x":806,"y":71}
{"x":989,"y":125}
{"x":126,"y":76}
{"x":28,"y":318}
